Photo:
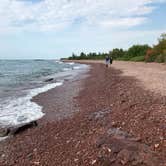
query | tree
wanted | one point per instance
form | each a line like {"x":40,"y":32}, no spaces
{"x":161,"y":46}
{"x":117,"y":53}
{"x":82,"y":55}
{"x":137,"y":50}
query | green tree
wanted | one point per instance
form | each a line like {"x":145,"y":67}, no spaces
{"x":82,"y":56}
{"x":161,"y":46}
{"x":117,"y":53}
{"x":136,"y":50}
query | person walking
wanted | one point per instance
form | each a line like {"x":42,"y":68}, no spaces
{"x":107,"y":61}
{"x":111,"y":59}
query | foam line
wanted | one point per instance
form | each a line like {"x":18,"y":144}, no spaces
{"x":23,"y":110}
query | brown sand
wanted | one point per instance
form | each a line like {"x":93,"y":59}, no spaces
{"x":118,"y":123}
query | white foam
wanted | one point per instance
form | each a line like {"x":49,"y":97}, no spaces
{"x":60,"y":62}
{"x":66,"y":69}
{"x":76,"y":67}
{"x":23,"y":110}
{"x":70,"y":63}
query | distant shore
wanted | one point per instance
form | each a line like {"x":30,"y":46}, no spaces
{"x":108,"y":116}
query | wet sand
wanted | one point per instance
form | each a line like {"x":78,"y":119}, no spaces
{"x":106,"y":118}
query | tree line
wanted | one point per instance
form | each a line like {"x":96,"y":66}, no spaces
{"x":156,"y":53}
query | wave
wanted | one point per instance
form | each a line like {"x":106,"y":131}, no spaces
{"x":70,"y":63}
{"x":22,"y":109}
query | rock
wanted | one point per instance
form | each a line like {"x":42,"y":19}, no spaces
{"x":35,"y":150}
{"x":49,"y":79}
{"x":100,"y":142}
{"x":93,"y":162}
{"x":4,"y":132}
{"x":36,"y":163}
{"x":21,"y":127}
{"x":114,"y":124}
{"x":127,"y":150}
{"x":3,"y":155}
{"x":124,"y":156}
{"x":123,"y":101}
{"x":156,"y":146}
{"x":123,"y":123}
{"x":161,"y":138}
{"x":30,"y":156}
{"x":75,"y":160}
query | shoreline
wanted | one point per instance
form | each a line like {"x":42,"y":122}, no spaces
{"x":24,"y":110}
{"x":116,"y":118}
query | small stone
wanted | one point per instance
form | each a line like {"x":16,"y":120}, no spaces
{"x":3,"y":155}
{"x":93,"y":162}
{"x":30,"y":156}
{"x":78,"y":152}
{"x":156,"y":145}
{"x":36,"y":163}
{"x":68,"y":141}
{"x":35,"y":150}
{"x":109,"y":150}
{"x":114,"y":124}
{"x":123,"y":101}
{"x":75,"y":160}
{"x":100,"y":142}
{"x":123,"y":123}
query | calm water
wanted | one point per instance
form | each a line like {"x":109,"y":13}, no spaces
{"x":20,"y":80}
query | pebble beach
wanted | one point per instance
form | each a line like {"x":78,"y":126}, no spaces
{"x":104,"y":117}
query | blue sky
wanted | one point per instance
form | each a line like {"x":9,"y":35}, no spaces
{"x":52,"y":29}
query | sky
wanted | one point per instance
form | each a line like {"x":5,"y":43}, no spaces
{"x":52,"y":29}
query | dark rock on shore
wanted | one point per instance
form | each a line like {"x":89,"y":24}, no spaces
{"x":118,"y":147}
{"x":20,"y":128}
{"x":49,"y":79}
{"x":4,"y":132}
{"x":16,"y":129}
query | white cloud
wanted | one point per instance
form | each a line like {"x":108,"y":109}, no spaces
{"x":58,"y":14}
{"x":123,"y":22}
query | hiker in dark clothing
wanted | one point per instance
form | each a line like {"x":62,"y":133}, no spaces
{"x":107,"y":61}
{"x":111,"y":59}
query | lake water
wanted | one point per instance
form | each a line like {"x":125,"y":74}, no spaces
{"x":21,"y":80}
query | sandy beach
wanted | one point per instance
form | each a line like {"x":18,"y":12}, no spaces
{"x":106,"y":117}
